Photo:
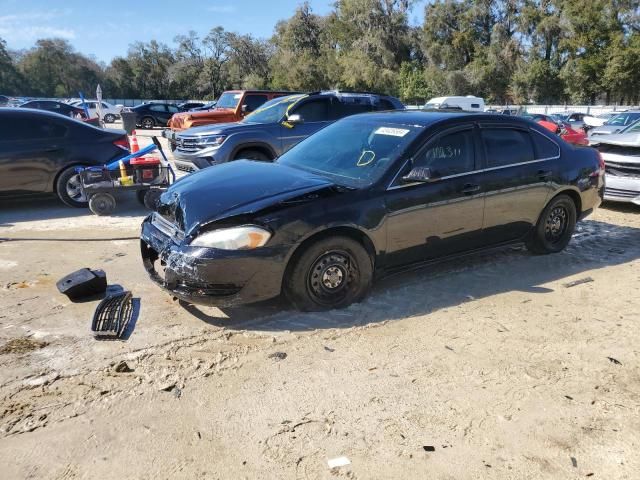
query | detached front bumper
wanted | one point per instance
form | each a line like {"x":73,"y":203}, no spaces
{"x":208,"y":276}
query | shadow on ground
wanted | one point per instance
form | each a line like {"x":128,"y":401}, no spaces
{"x":448,"y":284}
{"x":14,"y":211}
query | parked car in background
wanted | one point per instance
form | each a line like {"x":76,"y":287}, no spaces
{"x":616,"y":123}
{"x":207,"y":106}
{"x":40,"y":151}
{"x":272,"y":129}
{"x":187,"y":106}
{"x":232,"y":106}
{"x":155,"y":114}
{"x":591,"y":121}
{"x":110,"y":113}
{"x":468,"y":103}
{"x":562,"y":129}
{"x":574,"y":119}
{"x":621,"y":153}
{"x":61,"y":109}
{"x":367,"y":196}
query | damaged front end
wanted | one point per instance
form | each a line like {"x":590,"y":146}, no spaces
{"x":209,"y":276}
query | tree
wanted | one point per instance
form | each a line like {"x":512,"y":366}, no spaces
{"x":11,"y":81}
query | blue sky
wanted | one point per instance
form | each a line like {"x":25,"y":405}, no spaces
{"x":105,"y":29}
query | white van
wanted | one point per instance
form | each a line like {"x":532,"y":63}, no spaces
{"x":469,"y":103}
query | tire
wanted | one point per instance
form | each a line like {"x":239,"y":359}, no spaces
{"x":151,"y":198}
{"x":252,"y":154}
{"x":69,"y":188}
{"x":555,"y":226}
{"x":109,"y":118}
{"x":147,"y":123}
{"x":331,"y":273}
{"x":140,"y":195}
{"x":102,"y":204}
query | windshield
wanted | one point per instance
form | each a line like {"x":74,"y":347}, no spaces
{"x":354,"y":152}
{"x":273,"y":111}
{"x":633,"y":128}
{"x":623,"y":119}
{"x":228,"y":100}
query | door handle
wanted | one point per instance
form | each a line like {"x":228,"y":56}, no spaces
{"x":544,"y":174}
{"x":469,"y":188}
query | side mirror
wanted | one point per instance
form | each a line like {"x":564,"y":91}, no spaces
{"x":244,"y":109}
{"x":419,"y":174}
{"x":295,"y":118}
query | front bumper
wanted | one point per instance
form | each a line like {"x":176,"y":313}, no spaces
{"x":208,"y":276}
{"x":198,"y":159}
{"x":622,"y":189}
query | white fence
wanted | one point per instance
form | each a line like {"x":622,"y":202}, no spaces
{"x":549,"y":109}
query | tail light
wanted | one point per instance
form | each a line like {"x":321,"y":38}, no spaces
{"x":123,"y":142}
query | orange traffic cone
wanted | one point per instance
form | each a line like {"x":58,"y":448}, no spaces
{"x":134,"y":143}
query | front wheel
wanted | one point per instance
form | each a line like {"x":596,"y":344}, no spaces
{"x":252,"y":155}
{"x":555,"y":226}
{"x":331,"y":273}
{"x":102,"y":204}
{"x":69,"y":188}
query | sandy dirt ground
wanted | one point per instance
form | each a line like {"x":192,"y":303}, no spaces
{"x":491,"y":366}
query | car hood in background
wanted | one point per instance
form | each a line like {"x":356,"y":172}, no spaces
{"x":236,"y":188}
{"x":214,"y":129}
{"x":622,"y":139}
{"x":606,"y":129}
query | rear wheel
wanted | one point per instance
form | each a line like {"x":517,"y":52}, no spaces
{"x":151,"y":198}
{"x":69,"y":188}
{"x":109,"y":118}
{"x":252,"y":154}
{"x":147,"y":123}
{"x":331,"y":273}
{"x":555,"y":226}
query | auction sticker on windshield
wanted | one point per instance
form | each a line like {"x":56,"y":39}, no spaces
{"x":394,"y":132}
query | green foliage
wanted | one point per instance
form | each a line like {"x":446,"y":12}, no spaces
{"x":508,"y":51}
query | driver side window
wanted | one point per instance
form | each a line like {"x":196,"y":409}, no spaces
{"x":449,"y":154}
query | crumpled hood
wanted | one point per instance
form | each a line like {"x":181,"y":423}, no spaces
{"x":235,"y":188}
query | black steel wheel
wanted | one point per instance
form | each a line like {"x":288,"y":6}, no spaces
{"x":330,"y":273}
{"x":555,"y":226}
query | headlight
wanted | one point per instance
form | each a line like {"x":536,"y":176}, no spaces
{"x":236,"y":238}
{"x":213,"y":140}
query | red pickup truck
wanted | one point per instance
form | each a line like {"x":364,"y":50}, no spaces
{"x":232,"y":106}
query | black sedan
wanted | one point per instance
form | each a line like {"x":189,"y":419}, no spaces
{"x":366,"y":196}
{"x":40,"y":151}
{"x":156,"y":114}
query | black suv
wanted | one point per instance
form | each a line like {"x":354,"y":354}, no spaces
{"x":273,"y":128}
{"x":149,"y":115}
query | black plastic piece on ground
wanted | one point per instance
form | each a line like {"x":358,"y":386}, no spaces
{"x":83,"y":283}
{"x":112,"y":316}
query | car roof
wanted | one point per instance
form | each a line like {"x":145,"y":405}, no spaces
{"x":25,"y":112}
{"x":425,"y":118}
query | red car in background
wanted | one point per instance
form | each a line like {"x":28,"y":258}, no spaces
{"x":562,"y":129}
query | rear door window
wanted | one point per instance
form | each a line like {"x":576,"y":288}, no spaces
{"x":450,"y":154}
{"x":506,"y":146}
{"x":173,"y":109}
{"x":340,"y":109}
{"x":314,"y":110}
{"x":544,"y":147}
